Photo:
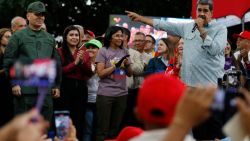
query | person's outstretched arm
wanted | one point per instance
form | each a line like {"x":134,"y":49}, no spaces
{"x":176,"y":29}
{"x":138,"y":18}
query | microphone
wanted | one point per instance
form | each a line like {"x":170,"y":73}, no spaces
{"x":196,"y":25}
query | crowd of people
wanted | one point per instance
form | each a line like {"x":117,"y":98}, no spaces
{"x":148,"y":90}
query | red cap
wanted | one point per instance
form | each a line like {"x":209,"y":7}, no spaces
{"x":91,"y":33}
{"x":128,"y":133}
{"x":158,"y":97}
{"x":243,"y":34}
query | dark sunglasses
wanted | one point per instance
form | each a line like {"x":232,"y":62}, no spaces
{"x":40,"y":14}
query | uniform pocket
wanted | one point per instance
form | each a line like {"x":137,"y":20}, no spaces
{"x":28,"y":49}
{"x":46,"y":49}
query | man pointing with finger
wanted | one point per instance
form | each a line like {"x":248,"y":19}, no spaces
{"x":203,"y":55}
{"x":204,"y":42}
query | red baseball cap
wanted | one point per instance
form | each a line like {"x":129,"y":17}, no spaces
{"x":158,"y":97}
{"x":128,"y":133}
{"x":243,"y":34}
{"x":91,"y":33}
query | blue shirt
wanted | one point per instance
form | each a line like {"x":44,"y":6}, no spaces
{"x":203,"y":61}
{"x":156,"y":65}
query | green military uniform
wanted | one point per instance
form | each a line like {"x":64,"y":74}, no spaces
{"x":27,"y":44}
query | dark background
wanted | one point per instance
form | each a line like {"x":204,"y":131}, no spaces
{"x":96,"y":16}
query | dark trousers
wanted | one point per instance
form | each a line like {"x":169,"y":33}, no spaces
{"x":110,"y":111}
{"x":129,"y":118}
{"x":27,"y":101}
{"x":73,"y":98}
{"x":6,"y":101}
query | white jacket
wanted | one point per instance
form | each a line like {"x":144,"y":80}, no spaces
{"x":137,"y":66}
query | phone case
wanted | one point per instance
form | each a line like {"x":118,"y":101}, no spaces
{"x":62,"y":123}
{"x":120,"y":61}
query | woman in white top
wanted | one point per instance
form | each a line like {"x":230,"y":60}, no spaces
{"x":93,"y":47}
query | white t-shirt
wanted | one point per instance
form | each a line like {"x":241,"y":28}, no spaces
{"x":156,"y":135}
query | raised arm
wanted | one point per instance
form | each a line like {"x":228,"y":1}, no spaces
{"x":172,"y":28}
{"x":138,"y":18}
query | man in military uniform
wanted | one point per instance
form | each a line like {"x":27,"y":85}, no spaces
{"x":28,"y":44}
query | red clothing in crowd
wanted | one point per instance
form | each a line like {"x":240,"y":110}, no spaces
{"x":81,"y":71}
{"x":172,"y":69}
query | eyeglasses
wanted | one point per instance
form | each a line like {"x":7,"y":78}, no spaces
{"x":138,"y":41}
{"x":203,"y":10}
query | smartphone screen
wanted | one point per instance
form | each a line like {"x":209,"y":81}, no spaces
{"x":62,"y":123}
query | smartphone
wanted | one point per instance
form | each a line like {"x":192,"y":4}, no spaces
{"x":225,"y":99}
{"x":118,"y":64}
{"x":62,"y":121}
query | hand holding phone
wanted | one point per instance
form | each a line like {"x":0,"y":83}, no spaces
{"x":62,"y":122}
{"x":118,"y":64}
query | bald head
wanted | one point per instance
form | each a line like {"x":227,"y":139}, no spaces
{"x":18,"y":23}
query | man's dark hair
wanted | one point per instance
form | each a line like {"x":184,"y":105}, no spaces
{"x":140,"y":33}
{"x":206,"y":2}
{"x":108,"y":35}
{"x":153,"y":39}
{"x":126,"y":32}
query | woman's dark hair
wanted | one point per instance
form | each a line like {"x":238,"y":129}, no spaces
{"x":2,"y":32}
{"x":230,"y":43}
{"x":126,"y":32}
{"x":235,"y":62}
{"x":66,"y":52}
{"x":170,"y":47}
{"x":108,"y":35}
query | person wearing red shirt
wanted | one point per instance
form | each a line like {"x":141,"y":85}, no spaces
{"x":76,"y":71}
